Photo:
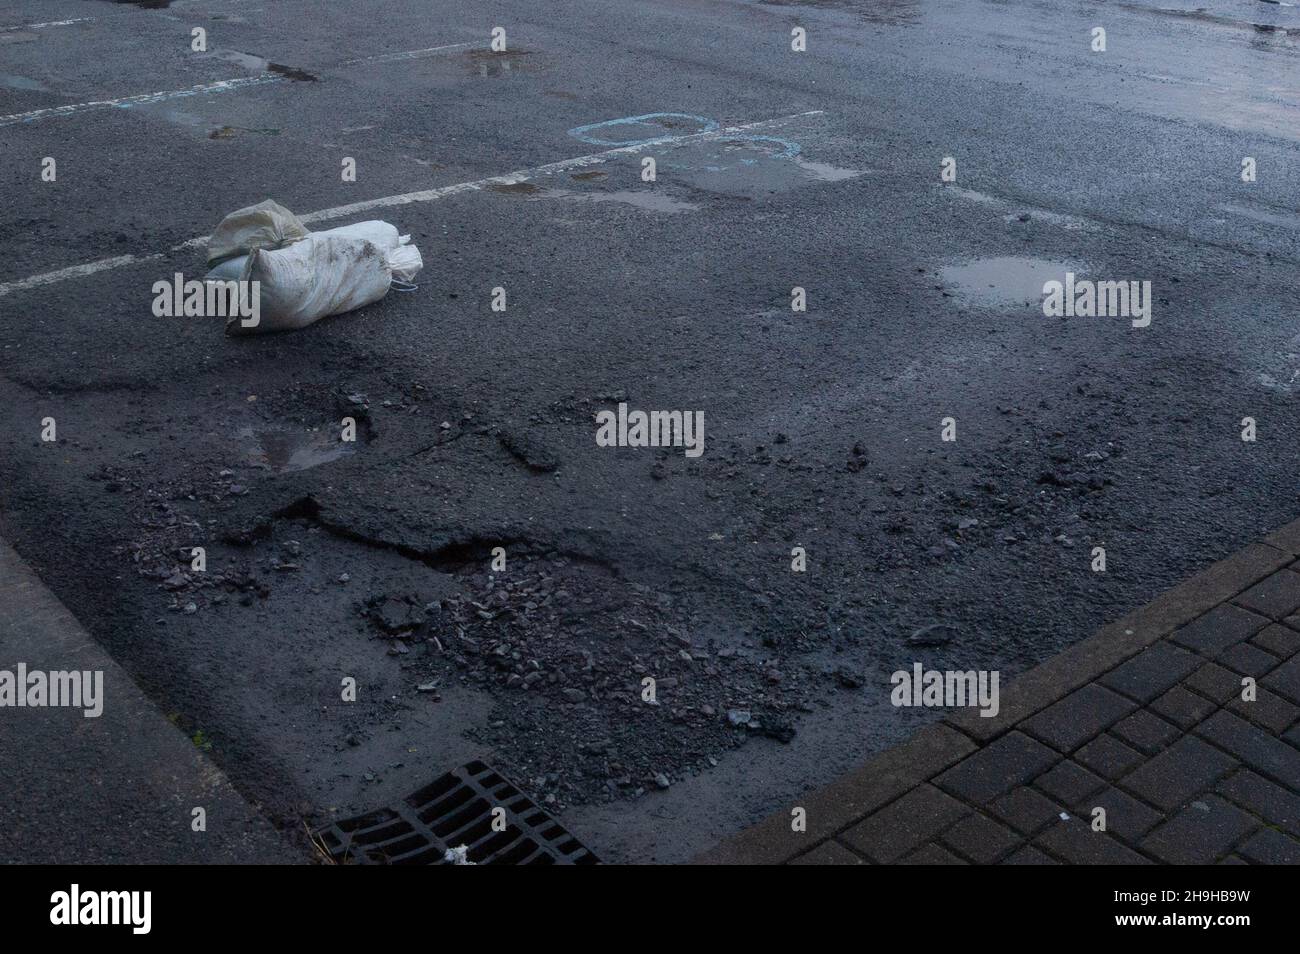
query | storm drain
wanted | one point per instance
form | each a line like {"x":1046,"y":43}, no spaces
{"x":453,"y":811}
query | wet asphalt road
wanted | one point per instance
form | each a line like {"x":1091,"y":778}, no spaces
{"x":822,"y":429}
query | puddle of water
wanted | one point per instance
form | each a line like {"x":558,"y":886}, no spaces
{"x":486,"y":63}
{"x":285,"y":451}
{"x":1007,"y":280}
{"x":21,"y":82}
{"x":824,"y":172}
{"x":752,"y":165}
{"x":258,"y":64}
{"x":647,"y":199}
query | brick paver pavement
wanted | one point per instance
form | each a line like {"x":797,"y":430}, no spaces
{"x":1146,"y":720}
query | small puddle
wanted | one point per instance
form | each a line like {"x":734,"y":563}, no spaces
{"x":752,"y":165}
{"x":9,"y":81}
{"x":259,"y":64}
{"x":283,"y":452}
{"x":487,"y":63}
{"x":1007,"y":280}
{"x":647,"y":199}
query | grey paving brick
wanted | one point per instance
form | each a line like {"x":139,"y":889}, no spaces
{"x":1247,"y":660}
{"x":1152,"y":671}
{"x":1256,"y":748}
{"x":1270,"y":801}
{"x":1077,"y":843}
{"x":1126,"y":817}
{"x":1215,"y":682}
{"x":1146,"y":732}
{"x":1218,"y":629}
{"x":1068,"y":783}
{"x":1029,"y":855}
{"x":1270,"y":847}
{"x":1004,"y":763}
{"x":1025,"y":809}
{"x":1183,"y":707}
{"x":1200,"y":833}
{"x":828,"y":853}
{"x":1084,"y":713}
{"x":981,"y":839}
{"x":1187,"y":767}
{"x":1285,"y":679}
{"x":1276,"y":596}
{"x":933,"y":855}
{"x":1280,"y":640}
{"x":1108,"y":756}
{"x":1268,"y":710}
{"x":904,"y":825}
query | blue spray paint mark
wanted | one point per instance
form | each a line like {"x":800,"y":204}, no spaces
{"x":584,"y":132}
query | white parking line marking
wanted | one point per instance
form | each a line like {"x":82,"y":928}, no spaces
{"x":410,"y":54}
{"x":425,"y":195}
{"x":76,"y":271}
{"x":523,"y":175}
{"x":140,"y":99}
{"x":42,"y":26}
{"x":220,"y":86}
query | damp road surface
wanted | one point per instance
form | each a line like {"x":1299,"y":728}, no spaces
{"x":648,"y":665}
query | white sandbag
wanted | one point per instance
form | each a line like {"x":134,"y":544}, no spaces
{"x":318,"y":276}
{"x":403,"y":258}
{"x":265,"y":225}
{"x":383,"y":234}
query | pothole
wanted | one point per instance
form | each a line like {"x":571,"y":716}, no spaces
{"x":285,"y":451}
{"x":1005,"y":280}
{"x":259,"y":64}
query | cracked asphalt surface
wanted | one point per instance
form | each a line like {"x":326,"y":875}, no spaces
{"x":822,"y":429}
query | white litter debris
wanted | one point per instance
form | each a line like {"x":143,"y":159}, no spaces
{"x":458,"y":855}
{"x":304,"y":276}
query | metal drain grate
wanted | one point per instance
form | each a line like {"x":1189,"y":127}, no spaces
{"x":455,"y":810}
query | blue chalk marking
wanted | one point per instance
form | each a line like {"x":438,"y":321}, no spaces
{"x":583,"y":133}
